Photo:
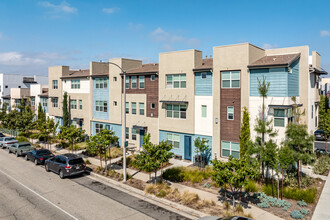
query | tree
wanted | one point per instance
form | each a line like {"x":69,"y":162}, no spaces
{"x":201,"y":147}
{"x":71,"y":134}
{"x":244,"y":136}
{"x":301,"y":143}
{"x":164,"y":154}
{"x":324,"y":118}
{"x":269,"y":157}
{"x":235,"y":173}
{"x":25,"y":118}
{"x":285,"y":159}
{"x":47,"y":130}
{"x":65,"y":111}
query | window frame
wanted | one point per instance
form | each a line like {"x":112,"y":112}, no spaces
{"x":127,"y":133}
{"x":98,"y":127}
{"x":230,"y":79}
{"x":80,"y":104}
{"x":127,"y":82}
{"x":44,"y":102}
{"x":204,"y":74}
{"x":170,"y":84}
{"x":152,"y":104}
{"x":153,"y":77}
{"x":134,"y":134}
{"x":228,"y":113}
{"x":101,"y":106}
{"x":55,"y":85}
{"x":278,"y":117}
{"x":55,"y":104}
{"x":173,"y":141}
{"x":133,"y":82}
{"x":101,"y":83}
{"x":33,"y":101}
{"x":230,"y":149}
{"x":141,"y":109}
{"x":133,"y":109}
{"x":143,"y":83}
{"x":75,"y":83}
{"x":127,"y":107}
{"x":176,"y":111}
{"x":73,"y":104}
{"x":205,"y":106}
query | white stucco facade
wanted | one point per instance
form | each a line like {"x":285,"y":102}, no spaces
{"x":203,"y":125}
{"x":84,"y":86}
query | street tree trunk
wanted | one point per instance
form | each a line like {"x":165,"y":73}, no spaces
{"x":110,"y":158}
{"x":282,"y":184}
{"x":105,"y":160}
{"x":326,"y":144}
{"x":273,"y":183}
{"x":233,"y":204}
{"x":298,"y":168}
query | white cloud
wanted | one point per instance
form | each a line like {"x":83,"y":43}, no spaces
{"x":269,"y":46}
{"x":134,"y":27}
{"x":324,"y":33}
{"x":168,"y":39}
{"x":64,"y":7}
{"x":18,"y":59}
{"x":110,"y":10}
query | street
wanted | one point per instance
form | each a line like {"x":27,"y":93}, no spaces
{"x":320,"y":145}
{"x":29,"y":192}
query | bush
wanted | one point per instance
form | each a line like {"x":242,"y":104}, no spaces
{"x":189,"y":198}
{"x":308,"y":195}
{"x":115,"y":152}
{"x":22,"y":139}
{"x":304,"y":211}
{"x":189,"y":174}
{"x":251,"y":187}
{"x":173,"y":174}
{"x":296,"y":214}
{"x":322,"y":165}
{"x":34,"y":136}
{"x":87,"y":162}
{"x":291,"y":179}
{"x":302,"y":203}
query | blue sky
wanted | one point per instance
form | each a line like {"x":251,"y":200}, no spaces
{"x":37,"y":34}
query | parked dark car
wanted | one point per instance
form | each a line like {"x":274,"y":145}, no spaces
{"x":2,"y":135}
{"x":66,"y":165}
{"x":227,"y":218}
{"x":38,"y":156}
{"x":319,"y":135}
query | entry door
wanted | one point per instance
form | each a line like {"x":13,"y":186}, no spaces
{"x":187,"y":147}
{"x":141,"y":137}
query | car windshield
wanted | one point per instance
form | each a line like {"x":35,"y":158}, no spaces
{"x":10,"y":139}
{"x":25,"y":145}
{"x":76,"y":161}
{"x":43,"y":152}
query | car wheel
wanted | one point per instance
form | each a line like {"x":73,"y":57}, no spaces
{"x":46,"y":168}
{"x":26,"y":158}
{"x":17,"y":155}
{"x":36,"y":162}
{"x":61,"y":174}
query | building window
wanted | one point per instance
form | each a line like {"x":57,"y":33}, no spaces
{"x":101,"y":83}
{"x":127,"y":133}
{"x":230,"y":113}
{"x":204,"y":75}
{"x":279,"y":115}
{"x":75,"y":84}
{"x":230,"y":148}
{"x":134,"y":108}
{"x":73,"y":104}
{"x":312,"y":110}
{"x":19,"y":86}
{"x":107,"y":127}
{"x":153,"y":77}
{"x":173,"y":139}
{"x":80,"y":104}
{"x":115,"y":78}
{"x":153,"y":105}
{"x":98,"y":127}
{"x":55,"y":84}
{"x":33,"y":101}
{"x":176,"y":111}
{"x":231,"y":79}
{"x":204,"y":111}
{"x":141,"y":82}
{"x":127,"y":82}
{"x":55,"y":102}
{"x":127,"y":107}
{"x":134,"y":82}
{"x":101,"y":106}
{"x":176,"y":81}
{"x":6,"y":87}
{"x":133,"y":134}
{"x":141,"y":108}
{"x":44,"y":102}
{"x":114,"y":103}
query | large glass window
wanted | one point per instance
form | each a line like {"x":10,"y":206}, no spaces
{"x":101,"y":83}
{"x":44,"y":102}
{"x":204,"y":111}
{"x":101,"y":106}
{"x":173,"y":139}
{"x":141,"y":82}
{"x":133,"y":134}
{"x":73,"y":104}
{"x":176,"y":81}
{"x":55,"y":84}
{"x":134,"y":108}
{"x":33,"y":101}
{"x":127,"y":82}
{"x":55,"y":102}
{"x":176,"y":111}
{"x":134,"y":82}
{"x":80,"y":104}
{"x":127,"y":133}
{"x":230,"y":113}
{"x":230,"y":148}
{"x":279,"y":117}
{"x":231,"y":79}
{"x":141,"y":108}
{"x":75,"y":84}
{"x":127,"y":107}
{"x":98,"y":127}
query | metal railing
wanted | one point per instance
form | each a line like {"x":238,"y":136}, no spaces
{"x":9,"y":131}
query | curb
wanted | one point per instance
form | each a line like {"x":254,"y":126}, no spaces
{"x":186,"y":211}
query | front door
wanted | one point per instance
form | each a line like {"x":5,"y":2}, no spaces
{"x":187,"y":147}
{"x":141,"y":137}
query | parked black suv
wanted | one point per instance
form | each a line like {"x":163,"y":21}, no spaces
{"x":66,"y":165}
{"x":38,"y":156}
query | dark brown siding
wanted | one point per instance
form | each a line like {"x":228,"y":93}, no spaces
{"x":230,"y":129}
{"x":150,"y":89}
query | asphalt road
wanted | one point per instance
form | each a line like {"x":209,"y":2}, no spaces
{"x":29,"y":192}
{"x":321,"y":145}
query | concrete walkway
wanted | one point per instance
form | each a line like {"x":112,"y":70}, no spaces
{"x":322,"y":208}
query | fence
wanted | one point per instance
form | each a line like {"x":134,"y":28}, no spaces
{"x":9,"y":131}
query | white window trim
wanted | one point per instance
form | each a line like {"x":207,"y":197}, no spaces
{"x":230,"y":80}
{"x":172,"y":85}
{"x":230,"y":149}
{"x":144,"y":82}
{"x":233,"y":113}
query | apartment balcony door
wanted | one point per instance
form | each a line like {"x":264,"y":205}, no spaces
{"x":187,"y":147}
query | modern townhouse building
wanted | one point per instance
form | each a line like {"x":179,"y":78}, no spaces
{"x":39,"y":94}
{"x":17,"y":95}
{"x":8,"y":81}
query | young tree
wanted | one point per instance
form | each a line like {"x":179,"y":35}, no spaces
{"x":244,"y":136}
{"x":25,"y":120}
{"x":201,"y":147}
{"x":72,"y":135}
{"x":324,"y":118}
{"x":269,"y":157}
{"x":235,"y":173}
{"x":164,"y":154}
{"x":65,"y":111}
{"x":285,"y":159}
{"x":47,"y":130}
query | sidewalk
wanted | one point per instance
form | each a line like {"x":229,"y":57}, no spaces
{"x":322,"y":208}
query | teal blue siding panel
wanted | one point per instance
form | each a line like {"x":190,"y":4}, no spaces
{"x":293,"y":79}
{"x":203,"y":87}
{"x":180,"y":151}
{"x":42,"y":99}
{"x":277,"y":77}
{"x":114,"y":127}
{"x":100,"y":95}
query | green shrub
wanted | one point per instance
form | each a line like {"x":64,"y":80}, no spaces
{"x":251,"y":187}
{"x":322,"y":165}
{"x":162,"y":193}
{"x":34,"y":136}
{"x":296,"y":214}
{"x":173,"y":174}
{"x":308,"y":195}
{"x":189,"y":174}
{"x":291,"y":180}
{"x":87,"y":162}
{"x":22,"y":139}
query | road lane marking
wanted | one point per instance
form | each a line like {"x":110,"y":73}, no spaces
{"x":39,"y":195}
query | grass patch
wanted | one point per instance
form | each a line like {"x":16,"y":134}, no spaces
{"x":22,"y":139}
{"x":251,"y":186}
{"x":188,"y":174}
